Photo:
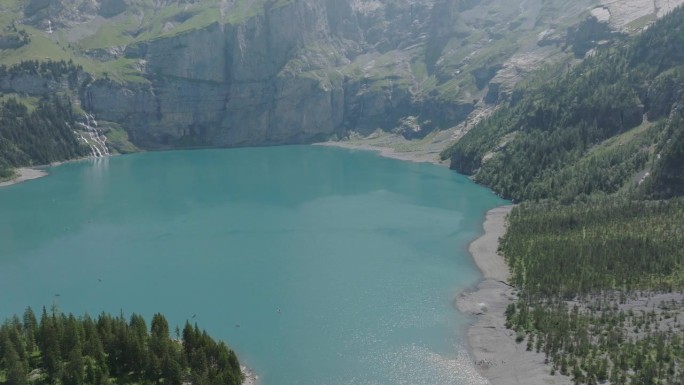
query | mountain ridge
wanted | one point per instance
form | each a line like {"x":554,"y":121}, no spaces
{"x":188,"y":74}
{"x":232,"y":73}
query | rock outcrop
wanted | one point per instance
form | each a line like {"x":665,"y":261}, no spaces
{"x":234,"y":73}
{"x":284,"y":75}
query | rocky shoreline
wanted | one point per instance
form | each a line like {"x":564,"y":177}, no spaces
{"x":24,"y":174}
{"x":250,"y":377}
{"x":395,"y":146}
{"x":493,"y":347}
{"x":496,"y":354}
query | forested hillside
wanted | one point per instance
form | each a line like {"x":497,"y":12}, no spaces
{"x":41,"y":136}
{"x":37,"y":130}
{"x":592,"y":128}
{"x":596,"y":154}
{"x":63,"y":349}
{"x":208,"y":73}
{"x":600,"y":287}
{"x":614,"y":244}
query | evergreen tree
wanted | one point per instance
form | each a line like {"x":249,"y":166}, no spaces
{"x":74,"y":371}
{"x":112,"y":346}
{"x":49,"y":346}
{"x":30,"y":329}
{"x":17,"y":370}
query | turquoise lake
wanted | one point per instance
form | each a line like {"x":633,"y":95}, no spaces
{"x":318,"y":265}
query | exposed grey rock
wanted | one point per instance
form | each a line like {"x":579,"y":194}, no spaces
{"x":301,"y":70}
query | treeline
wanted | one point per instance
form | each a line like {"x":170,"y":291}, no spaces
{"x":578,"y":267}
{"x":63,"y":349}
{"x":601,"y":227}
{"x":49,"y":69}
{"x":550,"y":127}
{"x":43,"y":133}
{"x":41,"y":136}
{"x":609,"y":243}
{"x":13,"y":38}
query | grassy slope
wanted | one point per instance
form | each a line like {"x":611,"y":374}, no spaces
{"x":486,"y":37}
{"x":142,"y":21}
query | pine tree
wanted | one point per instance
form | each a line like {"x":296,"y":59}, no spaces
{"x":74,"y":371}
{"x":49,"y":346}
{"x":159,"y":342}
{"x":171,"y":370}
{"x":30,"y":329}
{"x":17,"y":370}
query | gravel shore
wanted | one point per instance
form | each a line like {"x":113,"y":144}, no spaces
{"x":496,"y":354}
{"x":24,"y":174}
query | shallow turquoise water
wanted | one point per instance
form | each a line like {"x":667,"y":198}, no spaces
{"x":339,"y":266}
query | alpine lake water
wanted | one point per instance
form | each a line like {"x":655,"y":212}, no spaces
{"x":317,"y":265}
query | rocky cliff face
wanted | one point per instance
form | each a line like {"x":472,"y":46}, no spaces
{"x":237,"y":72}
{"x":223,"y":85}
{"x":285,"y":75}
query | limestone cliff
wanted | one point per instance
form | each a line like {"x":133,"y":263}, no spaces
{"x":238,"y":72}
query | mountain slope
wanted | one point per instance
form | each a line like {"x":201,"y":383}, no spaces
{"x":594,"y":152}
{"x":610,"y":123}
{"x":234,"y":73}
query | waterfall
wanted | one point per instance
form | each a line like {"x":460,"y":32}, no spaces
{"x":93,"y":137}
{"x":49,"y":30}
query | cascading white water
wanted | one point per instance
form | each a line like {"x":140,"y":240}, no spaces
{"x":95,"y":139}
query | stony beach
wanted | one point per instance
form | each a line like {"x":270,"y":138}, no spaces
{"x":496,"y":354}
{"x":24,"y":174}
